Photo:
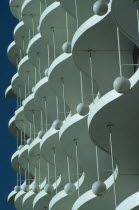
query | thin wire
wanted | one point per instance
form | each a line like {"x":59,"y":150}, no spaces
{"x":17,"y":149}
{"x":112,"y":160}
{"x":39,"y":170}
{"x":20,"y":96}
{"x":68,"y":170}
{"x":25,"y":90}
{"x":55,"y":170}
{"x":35,"y":75}
{"x":16,"y":61}
{"x":21,"y":137}
{"x":54,"y":44}
{"x":29,"y":35}
{"x":40,"y":8}
{"x":92,"y":83}
{"x":39,"y":66}
{"x":67,"y":28}
{"x":119,"y":51}
{"x":41,"y":121}
{"x":28,"y":173}
{"x":28,"y":82}
{"x":48,"y":170}
{"x":57,"y":107}
{"x":19,"y":16}
{"x":24,"y":132}
{"x":35,"y":174}
{"x":76,"y":11}
{"x":98,"y":177}
{"x":63,"y":85}
{"x":45,"y":105}
{"x":81,"y":82}
{"x":20,"y":54}
{"x":33,"y":27}
{"x":46,"y":3}
{"x":30,"y":129}
{"x":34,"y":123}
{"x":77,"y":162}
{"x":17,"y":102}
{"x":48,"y":50}
{"x":20,"y":176}
{"x":25,"y":176}
{"x":24,"y":47}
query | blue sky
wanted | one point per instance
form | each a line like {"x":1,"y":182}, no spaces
{"x":7,"y":107}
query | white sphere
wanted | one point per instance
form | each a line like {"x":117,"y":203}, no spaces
{"x":48,"y":188}
{"x":46,"y":72}
{"x":20,"y":147}
{"x":99,"y":188}
{"x":25,"y":188}
{"x":17,"y":188}
{"x":36,"y":188}
{"x":29,"y":141}
{"x":121,"y":84}
{"x":100,"y":8}
{"x":40,"y":134}
{"x":69,"y":189}
{"x":66,"y":47}
{"x":82,"y":109}
{"x":57,"y":124}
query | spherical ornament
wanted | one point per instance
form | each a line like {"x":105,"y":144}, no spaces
{"x":48,"y":188}
{"x":99,"y":188}
{"x":17,"y":188}
{"x":69,"y":189}
{"x":33,"y":89}
{"x":57,"y":124}
{"x":82,"y":109}
{"x":29,"y":141}
{"x":25,"y":188}
{"x":66,"y":47}
{"x":20,"y":147}
{"x":40,"y":134}
{"x":36,"y":188}
{"x":100,"y":8}
{"x":46,"y":72}
{"x":121,"y":84}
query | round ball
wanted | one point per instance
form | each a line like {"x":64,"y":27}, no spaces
{"x":25,"y":188}
{"x":121,"y":84}
{"x":40,"y":134}
{"x":100,"y":8}
{"x":57,"y":124}
{"x":66,"y":47}
{"x":20,"y":147}
{"x":36,"y":188}
{"x":69,"y":189}
{"x":99,"y":188}
{"x":29,"y":141}
{"x":82,"y":109}
{"x":17,"y":188}
{"x":49,"y":188}
{"x":46,"y":72}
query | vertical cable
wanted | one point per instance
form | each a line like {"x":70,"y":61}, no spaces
{"x":33,"y":27}
{"x":35,"y":75}
{"x":20,"y":96}
{"x":68,"y":170}
{"x":20,"y":175}
{"x":19,"y":15}
{"x":119,"y":51}
{"x":57,"y":108}
{"x":98,"y":176}
{"x":92,"y":83}
{"x":28,"y":174}
{"x":39,"y":65}
{"x":21,"y":137}
{"x":138,"y":17}
{"x":39,"y":171}
{"x":77,"y":163}
{"x":54,"y":44}
{"x":46,"y":3}
{"x":34,"y":124}
{"x":17,"y":61}
{"x":76,"y":11}
{"x":55,"y":170}
{"x":17,"y":102}
{"x":112,"y":160}
{"x":48,"y":170}
{"x":20,"y":54}
{"x":41,"y":121}
{"x":30,"y":130}
{"x":67,"y":28}
{"x":24,"y":132}
{"x":63,"y":86}
{"x":45,"y":106}
{"x":48,"y":51}
{"x":29,"y":35}
{"x":28,"y":83}
{"x":25,"y":90}
{"x":81,"y":82}
{"x":24,"y":46}
{"x":40,"y":8}
{"x":17,"y":149}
